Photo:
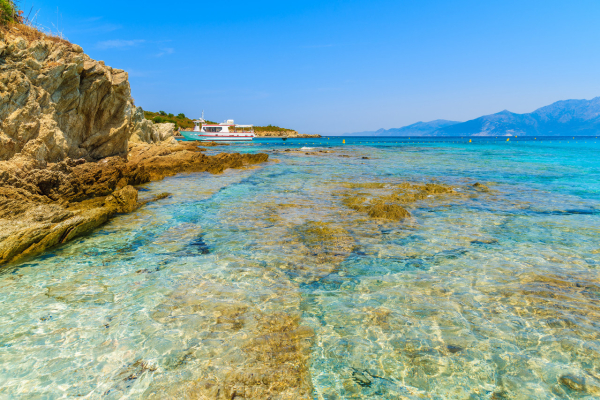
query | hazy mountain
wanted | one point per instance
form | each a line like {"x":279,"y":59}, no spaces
{"x":364,"y":133}
{"x":567,"y":117}
{"x":418,"y":129}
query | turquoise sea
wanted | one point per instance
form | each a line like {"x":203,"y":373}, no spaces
{"x":264,"y":284}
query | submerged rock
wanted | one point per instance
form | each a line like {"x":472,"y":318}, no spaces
{"x":481,"y":187}
{"x":361,"y":378}
{"x":391,"y":206}
{"x":580,"y":384}
{"x":43,"y":207}
{"x":60,"y":112}
{"x":326,"y":242}
{"x":573,"y":382}
{"x":387,"y":211}
{"x":454,"y":349}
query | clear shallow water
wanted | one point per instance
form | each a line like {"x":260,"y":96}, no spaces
{"x":220,"y":291}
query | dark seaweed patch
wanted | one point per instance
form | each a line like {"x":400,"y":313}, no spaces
{"x":484,"y":242}
{"x":15,"y":269}
{"x":200,"y":245}
{"x":454,"y":349}
{"x":567,"y":212}
{"x":46,"y":256}
{"x":362,"y":378}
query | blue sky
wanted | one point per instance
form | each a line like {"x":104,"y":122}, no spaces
{"x":340,"y":66}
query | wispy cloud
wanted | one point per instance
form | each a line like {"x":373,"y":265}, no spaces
{"x":165,"y":51}
{"x":93,"y":28}
{"x":119,"y":44}
{"x":92,"y":19}
{"x":317,"y":46}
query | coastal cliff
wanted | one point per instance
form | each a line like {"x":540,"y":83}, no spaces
{"x":56,"y":102}
{"x":72,"y":144}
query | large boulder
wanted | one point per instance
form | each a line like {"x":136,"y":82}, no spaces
{"x":124,"y":200}
{"x":146,"y":131}
{"x":56,"y":102}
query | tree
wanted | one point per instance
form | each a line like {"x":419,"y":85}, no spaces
{"x":181,"y":115}
{"x":164,"y":114}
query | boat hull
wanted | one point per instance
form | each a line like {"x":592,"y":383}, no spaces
{"x":203,"y":137}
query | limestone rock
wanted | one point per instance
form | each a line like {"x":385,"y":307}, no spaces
{"x":72,"y":144}
{"x":165,"y":130}
{"x":56,"y":102}
{"x":142,"y":129}
{"x":45,"y":205}
{"x":123,"y":200}
{"x":146,"y":131}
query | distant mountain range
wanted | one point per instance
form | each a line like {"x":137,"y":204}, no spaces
{"x":567,"y":117}
{"x":418,"y":129}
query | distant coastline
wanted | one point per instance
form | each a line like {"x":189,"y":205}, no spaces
{"x":181,"y":121}
{"x":566,"y":117}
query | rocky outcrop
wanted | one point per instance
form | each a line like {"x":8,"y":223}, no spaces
{"x":43,"y":207}
{"x":144,"y":130}
{"x":73,"y":145}
{"x":56,"y":102}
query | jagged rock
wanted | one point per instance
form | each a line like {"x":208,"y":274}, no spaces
{"x":123,"y":200}
{"x":42,"y":207}
{"x":165,"y":130}
{"x":144,"y":130}
{"x":56,"y":102}
{"x":72,"y":144}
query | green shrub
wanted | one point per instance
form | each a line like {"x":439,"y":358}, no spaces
{"x":158,"y":120}
{"x":181,"y":115}
{"x":164,"y":114}
{"x":171,"y":115}
{"x":8,"y":12}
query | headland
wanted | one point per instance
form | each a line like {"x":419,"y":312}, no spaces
{"x":73,"y":144}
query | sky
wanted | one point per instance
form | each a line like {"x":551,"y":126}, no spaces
{"x":339,"y":66}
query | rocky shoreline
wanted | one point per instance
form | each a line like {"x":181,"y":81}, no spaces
{"x":44,"y":207}
{"x":285,"y":134}
{"x":73,"y":145}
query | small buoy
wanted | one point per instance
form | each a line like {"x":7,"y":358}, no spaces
{"x":469,"y":140}
{"x":507,"y":139}
{"x":344,"y":141}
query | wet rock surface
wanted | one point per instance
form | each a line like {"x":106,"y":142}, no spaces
{"x":72,"y":144}
{"x":393,"y":204}
{"x":42,"y":207}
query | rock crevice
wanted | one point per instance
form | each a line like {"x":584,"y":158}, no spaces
{"x":73,"y":144}
{"x":56,"y":102}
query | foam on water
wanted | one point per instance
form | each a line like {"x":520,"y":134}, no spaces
{"x":264,"y":283}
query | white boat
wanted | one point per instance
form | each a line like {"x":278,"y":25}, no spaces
{"x":227,"y":131}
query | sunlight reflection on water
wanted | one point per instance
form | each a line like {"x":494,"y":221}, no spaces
{"x":262,"y":283}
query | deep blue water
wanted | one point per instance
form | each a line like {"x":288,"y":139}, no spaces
{"x":478,"y":295}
